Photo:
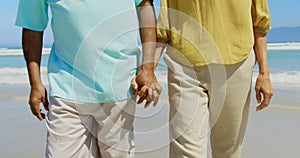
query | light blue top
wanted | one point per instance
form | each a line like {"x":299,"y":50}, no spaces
{"x":95,"y":50}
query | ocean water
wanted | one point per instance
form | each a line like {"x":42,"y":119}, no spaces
{"x":280,"y":122}
{"x":284,"y":61}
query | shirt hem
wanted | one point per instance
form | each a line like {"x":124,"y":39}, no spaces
{"x":190,"y":61}
{"x":91,"y":100}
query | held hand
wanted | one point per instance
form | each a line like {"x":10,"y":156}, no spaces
{"x":38,"y":94}
{"x":146,"y":86}
{"x":263,"y":88}
{"x":139,"y":91}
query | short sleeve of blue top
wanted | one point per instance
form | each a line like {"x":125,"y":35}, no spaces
{"x":95,"y":50}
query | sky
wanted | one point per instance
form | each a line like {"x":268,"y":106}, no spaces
{"x":283,"y":13}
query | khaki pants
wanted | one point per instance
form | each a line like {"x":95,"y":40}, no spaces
{"x":82,"y":130}
{"x":208,"y":101}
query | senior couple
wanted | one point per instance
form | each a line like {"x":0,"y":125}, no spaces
{"x":95,"y":76}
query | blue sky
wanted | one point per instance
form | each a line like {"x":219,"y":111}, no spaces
{"x":284,"y":13}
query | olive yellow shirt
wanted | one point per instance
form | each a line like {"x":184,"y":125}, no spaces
{"x":201,"y":32}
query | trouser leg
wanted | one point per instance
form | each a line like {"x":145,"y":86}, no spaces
{"x":189,"y":116}
{"x":67,"y":135}
{"x":90,"y":130}
{"x":112,"y":124}
{"x":229,"y":130}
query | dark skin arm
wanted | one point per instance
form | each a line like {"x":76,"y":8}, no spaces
{"x":145,"y":84}
{"x":263,"y":86}
{"x":32,"y":42}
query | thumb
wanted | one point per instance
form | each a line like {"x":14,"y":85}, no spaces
{"x":258,"y":95}
{"x":134,"y":86}
{"x":45,"y":101}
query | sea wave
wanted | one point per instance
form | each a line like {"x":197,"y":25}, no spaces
{"x":19,"y":52}
{"x":284,"y":46}
{"x":286,"y":78}
{"x":10,"y":76}
{"x":46,"y":51}
{"x":19,"y":76}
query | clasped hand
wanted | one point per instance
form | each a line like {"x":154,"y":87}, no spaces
{"x":145,"y":85}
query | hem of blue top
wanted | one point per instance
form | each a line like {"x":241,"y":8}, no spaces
{"x":30,"y":27}
{"x":138,"y":2}
{"x":92,"y":100}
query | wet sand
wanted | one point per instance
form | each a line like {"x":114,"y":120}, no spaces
{"x":272,"y":133}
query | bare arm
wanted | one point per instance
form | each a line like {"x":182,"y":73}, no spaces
{"x":263,"y":85}
{"x":32,"y":42}
{"x":145,"y":84}
{"x":147,"y":24}
{"x":160,"y":47}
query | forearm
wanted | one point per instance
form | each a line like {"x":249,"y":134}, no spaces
{"x":32,"y":42}
{"x":148,"y":34}
{"x":158,"y":52}
{"x":260,"y":48}
{"x":263,"y":86}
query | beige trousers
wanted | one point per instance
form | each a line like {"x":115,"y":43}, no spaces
{"x":84,"y":130}
{"x":208,"y":101}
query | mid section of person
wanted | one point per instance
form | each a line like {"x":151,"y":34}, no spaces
{"x":93,"y":59}
{"x":211,"y":50}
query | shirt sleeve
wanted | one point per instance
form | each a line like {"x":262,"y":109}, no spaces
{"x":137,"y":2}
{"x":32,"y":14}
{"x":260,"y":16}
{"x":163,"y":23}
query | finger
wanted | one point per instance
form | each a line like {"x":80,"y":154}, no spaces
{"x":143,"y":94}
{"x":134,"y":95}
{"x":150,"y":93}
{"x":265,"y":103}
{"x":134,"y":86}
{"x":258,"y":95}
{"x":43,"y":115}
{"x":39,"y":116}
{"x":148,"y":101}
{"x":158,"y":88}
{"x":261,"y":106}
{"x":155,"y":97}
{"x":35,"y":108}
{"x":141,"y":99}
{"x":36,"y":111}
{"x":45,"y":101}
{"x":143,"y":91}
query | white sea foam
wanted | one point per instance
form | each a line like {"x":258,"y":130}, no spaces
{"x":19,"y":76}
{"x":18,"y":52}
{"x":11,"y":76}
{"x":284,"y":46}
{"x":284,"y":79}
{"x":287,"y":78}
{"x":46,"y":51}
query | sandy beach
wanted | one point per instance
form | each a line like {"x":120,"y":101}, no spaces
{"x":272,"y":133}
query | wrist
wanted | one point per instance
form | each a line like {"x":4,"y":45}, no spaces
{"x":36,"y":84}
{"x":264,"y":72}
{"x":148,"y":67}
{"x":264,"y":69}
